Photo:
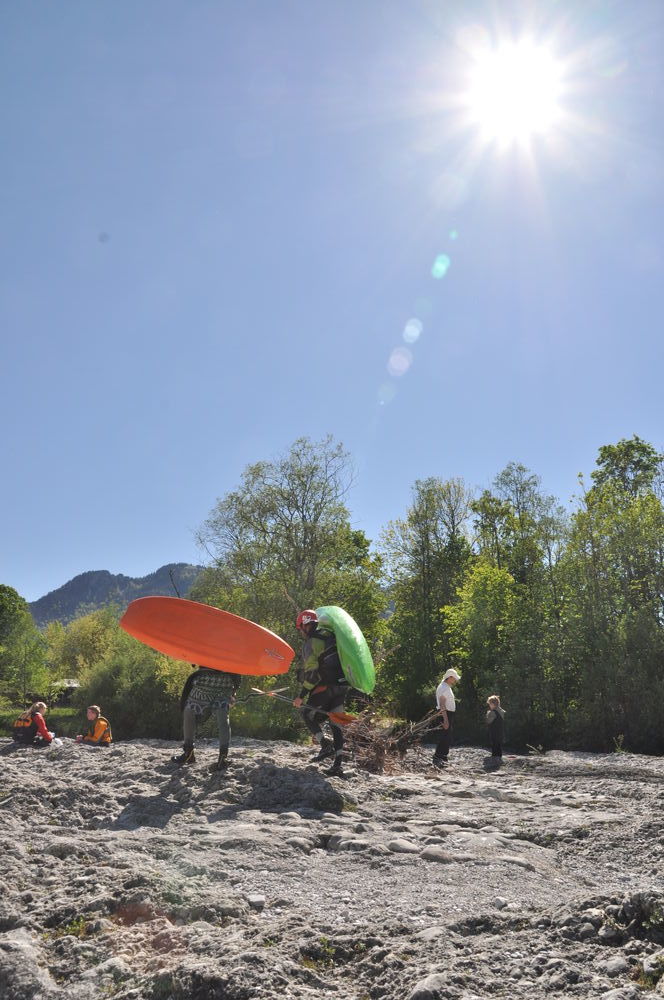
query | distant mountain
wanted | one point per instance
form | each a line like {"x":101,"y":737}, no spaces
{"x":89,"y":591}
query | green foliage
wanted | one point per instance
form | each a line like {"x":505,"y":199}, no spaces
{"x":22,"y":649}
{"x":426,"y":555}
{"x":632,"y":465}
{"x":563,"y":617}
{"x":76,"y":647}
{"x":614,"y":575}
{"x":76,"y":927}
{"x":130,"y":684}
{"x":282,"y":542}
{"x":13,"y":611}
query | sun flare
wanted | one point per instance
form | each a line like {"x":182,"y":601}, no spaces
{"x":514,"y":91}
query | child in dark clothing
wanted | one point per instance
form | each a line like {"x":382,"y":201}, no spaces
{"x":494,"y":720}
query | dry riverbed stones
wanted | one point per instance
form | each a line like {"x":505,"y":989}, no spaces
{"x":127,"y":877}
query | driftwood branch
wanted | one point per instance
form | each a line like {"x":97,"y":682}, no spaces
{"x":381,"y":747}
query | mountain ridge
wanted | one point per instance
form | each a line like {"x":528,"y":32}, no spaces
{"x":96,"y":589}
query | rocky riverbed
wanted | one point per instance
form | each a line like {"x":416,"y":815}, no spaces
{"x":127,"y":877}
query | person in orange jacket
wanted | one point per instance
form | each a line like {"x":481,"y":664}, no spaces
{"x":98,"y":733}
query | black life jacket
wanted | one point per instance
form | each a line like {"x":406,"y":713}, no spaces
{"x":329,"y":664}
{"x":24,"y":730}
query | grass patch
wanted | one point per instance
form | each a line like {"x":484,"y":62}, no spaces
{"x":318,"y":956}
{"x":78,"y":927}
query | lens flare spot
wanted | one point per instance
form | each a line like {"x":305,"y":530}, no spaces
{"x":441,"y":266}
{"x":400,"y":361}
{"x":424,"y":307}
{"x":412,"y":330}
{"x":386,"y":393}
{"x":454,"y":234}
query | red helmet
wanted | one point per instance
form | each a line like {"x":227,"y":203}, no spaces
{"x":305,"y":617}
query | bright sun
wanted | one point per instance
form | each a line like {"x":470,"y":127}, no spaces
{"x":514,"y":92}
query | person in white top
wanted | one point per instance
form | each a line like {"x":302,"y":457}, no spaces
{"x":446,"y":705}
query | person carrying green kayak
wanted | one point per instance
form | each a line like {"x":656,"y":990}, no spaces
{"x":324,"y":687}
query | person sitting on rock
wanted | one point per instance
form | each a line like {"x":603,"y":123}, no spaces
{"x":204,"y":692}
{"x":323,"y":685}
{"x":30,"y":727}
{"x":98,"y":733}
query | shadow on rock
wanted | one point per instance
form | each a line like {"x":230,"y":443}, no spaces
{"x":9,"y":749}
{"x":274,"y":788}
{"x":144,"y":810}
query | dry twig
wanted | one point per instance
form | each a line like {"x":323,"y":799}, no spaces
{"x":381,"y":748}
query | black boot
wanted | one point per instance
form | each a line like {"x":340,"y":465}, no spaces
{"x":222,"y":762}
{"x":326,"y":750}
{"x":186,"y":757}
{"x":336,"y":771}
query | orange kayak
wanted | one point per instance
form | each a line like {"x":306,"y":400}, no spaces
{"x":209,"y":637}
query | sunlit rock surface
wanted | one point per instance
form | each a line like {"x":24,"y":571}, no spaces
{"x":127,"y":877}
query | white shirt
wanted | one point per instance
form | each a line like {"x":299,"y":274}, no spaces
{"x":445,"y":697}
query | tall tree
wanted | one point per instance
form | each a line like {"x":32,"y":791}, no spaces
{"x":520,"y":531}
{"x":632,"y":465}
{"x":426,"y":554}
{"x":283,"y":540}
{"x":614,"y":619}
{"x":22,"y":648}
{"x":13,"y":610}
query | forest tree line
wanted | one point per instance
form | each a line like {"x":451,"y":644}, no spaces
{"x":559,"y":611}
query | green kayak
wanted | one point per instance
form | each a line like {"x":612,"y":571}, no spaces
{"x":352,"y":647}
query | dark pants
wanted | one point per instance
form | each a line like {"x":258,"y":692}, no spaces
{"x":444,"y":739}
{"x":331,"y":699}
{"x":190,"y":718}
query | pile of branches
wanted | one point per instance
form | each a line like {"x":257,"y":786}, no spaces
{"x":382,"y":748}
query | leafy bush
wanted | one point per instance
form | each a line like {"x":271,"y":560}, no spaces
{"x":132,"y":691}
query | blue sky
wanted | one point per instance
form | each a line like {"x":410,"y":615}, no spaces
{"x":219,"y":218}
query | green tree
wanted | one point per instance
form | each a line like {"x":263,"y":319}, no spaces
{"x":480,"y":626}
{"x":632,"y":465}
{"x":614,"y":620}
{"x":136,"y":687}
{"x":13,"y":610}
{"x":520,"y":531}
{"x":22,"y":653}
{"x":425,"y":554}
{"x":74,"y":648}
{"x":282,"y":541}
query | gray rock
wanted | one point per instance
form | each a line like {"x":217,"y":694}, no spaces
{"x":256,"y":901}
{"x":402,"y":847}
{"x":151,"y":897}
{"x":609,"y":934}
{"x":616,"y":966}
{"x":434,"y":987}
{"x":653,"y":964}
{"x":437,"y":854}
{"x":625,"y":993}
